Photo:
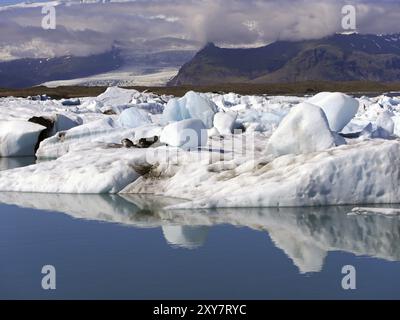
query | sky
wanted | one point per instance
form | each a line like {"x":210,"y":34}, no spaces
{"x":159,"y":25}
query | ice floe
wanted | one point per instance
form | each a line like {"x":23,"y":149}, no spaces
{"x":292,"y":151}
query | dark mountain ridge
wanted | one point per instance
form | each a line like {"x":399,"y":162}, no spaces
{"x":340,"y":57}
{"x":28,"y":72}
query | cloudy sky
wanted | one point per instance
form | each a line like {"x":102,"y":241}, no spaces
{"x":156,"y":25}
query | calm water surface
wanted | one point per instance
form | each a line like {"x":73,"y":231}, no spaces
{"x":129,"y":247}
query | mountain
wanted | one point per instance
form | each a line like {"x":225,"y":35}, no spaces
{"x":114,"y":67}
{"x":29,"y":72}
{"x":340,"y":57}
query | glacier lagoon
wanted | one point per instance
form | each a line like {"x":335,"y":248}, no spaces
{"x":129,"y":247}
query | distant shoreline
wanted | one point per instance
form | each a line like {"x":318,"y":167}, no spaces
{"x":299,"y":88}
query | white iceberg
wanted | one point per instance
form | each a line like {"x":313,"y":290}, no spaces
{"x":224,"y":122}
{"x":305,"y":129}
{"x":186,"y":134}
{"x":298,"y":161}
{"x":19,"y":138}
{"x":362,"y":173}
{"x":191,"y":106}
{"x":338,"y":107}
{"x":107,"y":130}
{"x":117,"y":96}
{"x":386,"y":124}
{"x":64,"y":122}
{"x":133,"y":118}
{"x":87,"y":171}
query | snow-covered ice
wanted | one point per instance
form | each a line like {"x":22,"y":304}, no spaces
{"x":224,"y":122}
{"x":293,"y":151}
{"x":304,"y":130}
{"x":133,"y":118}
{"x":18,"y":138}
{"x":191,"y":106}
{"x":187,"y":134}
{"x":338,"y":107}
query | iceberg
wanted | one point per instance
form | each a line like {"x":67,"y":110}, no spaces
{"x":385,"y":124}
{"x":362,"y":173}
{"x":19,"y":138}
{"x":133,"y":118}
{"x":117,"y":96}
{"x":338,"y":107}
{"x":224,"y":122}
{"x":191,"y":106}
{"x":88,"y":171}
{"x":292,"y":153}
{"x":56,"y":123}
{"x":304,"y":130}
{"x":186,"y":134}
{"x":106,"y":130}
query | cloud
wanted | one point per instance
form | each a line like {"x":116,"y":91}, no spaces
{"x":84,"y":29}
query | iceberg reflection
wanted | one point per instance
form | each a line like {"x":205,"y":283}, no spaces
{"x":306,"y":235}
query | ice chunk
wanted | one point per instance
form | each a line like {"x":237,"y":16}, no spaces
{"x":71,"y":102}
{"x":213,"y":132}
{"x":63,"y":122}
{"x":175,"y":110}
{"x":363,"y":173}
{"x":86,"y":171}
{"x":92,"y":106}
{"x":191,"y":106}
{"x":105,"y":130}
{"x":305,"y":129}
{"x":133,"y":118}
{"x":386,"y":124}
{"x":383,"y":128}
{"x":388,"y":101}
{"x":117,"y":96}
{"x":19,"y":138}
{"x":263,"y":121}
{"x":187,"y":134}
{"x":338,"y":107}
{"x":224,"y":122}
{"x":153,"y":108}
{"x":200,"y":108}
